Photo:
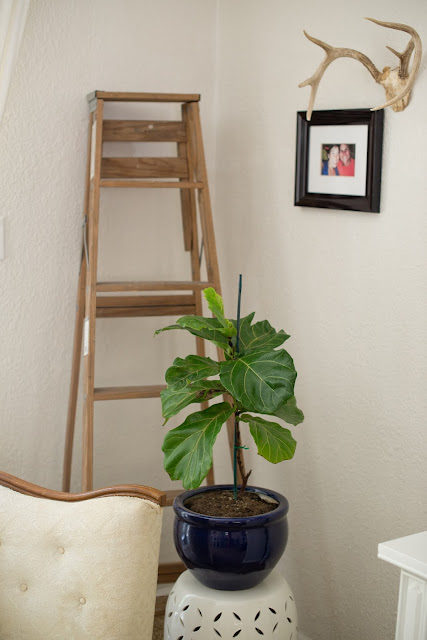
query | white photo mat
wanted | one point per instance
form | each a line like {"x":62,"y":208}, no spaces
{"x":338,"y":134}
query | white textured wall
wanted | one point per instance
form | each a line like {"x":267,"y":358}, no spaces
{"x":13,"y":16}
{"x":349,"y":287}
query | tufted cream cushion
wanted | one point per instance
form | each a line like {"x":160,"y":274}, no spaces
{"x":74,"y":571}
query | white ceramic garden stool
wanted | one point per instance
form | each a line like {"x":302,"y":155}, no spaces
{"x":194,"y":611}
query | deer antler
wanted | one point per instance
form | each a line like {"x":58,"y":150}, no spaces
{"x":332,"y":53}
{"x":397,"y":82}
{"x":390,"y":82}
{"x":404,"y":57}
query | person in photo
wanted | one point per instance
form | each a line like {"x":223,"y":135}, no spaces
{"x":346,"y":161}
{"x":329,"y":166}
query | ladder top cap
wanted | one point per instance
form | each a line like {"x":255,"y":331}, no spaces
{"x":117,"y":96}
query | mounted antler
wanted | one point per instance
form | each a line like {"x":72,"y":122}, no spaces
{"x":397,"y":82}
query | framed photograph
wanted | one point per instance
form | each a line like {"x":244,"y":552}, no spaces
{"x":338,"y":159}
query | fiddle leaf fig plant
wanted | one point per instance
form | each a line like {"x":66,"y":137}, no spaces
{"x":258,"y":377}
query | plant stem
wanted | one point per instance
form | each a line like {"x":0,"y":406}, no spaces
{"x":239,"y":298}
{"x":245,"y":476}
{"x":236,"y":431}
{"x":236,"y":422}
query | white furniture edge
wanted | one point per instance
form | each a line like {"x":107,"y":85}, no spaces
{"x":410,"y":555}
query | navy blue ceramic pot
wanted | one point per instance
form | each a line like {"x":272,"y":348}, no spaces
{"x":230,"y":553}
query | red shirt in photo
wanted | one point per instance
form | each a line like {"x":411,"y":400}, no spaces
{"x":346,"y":170}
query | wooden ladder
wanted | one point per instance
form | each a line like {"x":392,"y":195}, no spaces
{"x":186,"y":172}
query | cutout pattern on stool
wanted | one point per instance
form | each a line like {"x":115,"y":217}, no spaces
{"x":267,"y":611}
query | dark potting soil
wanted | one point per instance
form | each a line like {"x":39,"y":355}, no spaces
{"x":222,"y":504}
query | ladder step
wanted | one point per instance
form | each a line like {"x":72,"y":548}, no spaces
{"x":137,"y":306}
{"x":144,"y":168}
{"x":145,"y":312}
{"x":128,"y":393}
{"x":120,"y":96}
{"x":143,"y":131}
{"x":150,"y":184}
{"x":144,"y":301}
{"x":164,"y":285}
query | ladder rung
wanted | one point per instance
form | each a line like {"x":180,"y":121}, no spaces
{"x":164,"y":285}
{"x":144,"y":301}
{"x":145,"y":312}
{"x":137,"y":306}
{"x":144,"y":168}
{"x":143,"y":131}
{"x":150,"y":184}
{"x":120,"y":96}
{"x":128,"y":393}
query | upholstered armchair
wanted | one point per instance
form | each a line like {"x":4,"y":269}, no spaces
{"x":78,"y":566}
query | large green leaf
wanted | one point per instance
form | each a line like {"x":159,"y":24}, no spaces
{"x":259,"y":336}
{"x":274,"y":443}
{"x":190,"y":369}
{"x":261,"y":382}
{"x":174,"y":399}
{"x":207,"y":328}
{"x":216,"y":305}
{"x":289,"y":412}
{"x":188,"y":448}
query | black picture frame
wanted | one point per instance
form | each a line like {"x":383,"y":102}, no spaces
{"x":370,"y":201}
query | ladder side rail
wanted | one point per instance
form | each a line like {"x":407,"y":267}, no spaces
{"x":208,"y":235}
{"x":205,"y":210}
{"x":90,"y":304}
{"x":186,"y":197}
{"x":75,"y":376}
{"x":78,"y":334}
{"x":195,"y":262}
